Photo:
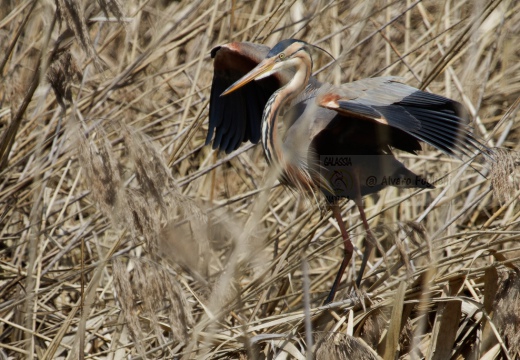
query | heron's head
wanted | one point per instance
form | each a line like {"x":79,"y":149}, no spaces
{"x":289,"y":53}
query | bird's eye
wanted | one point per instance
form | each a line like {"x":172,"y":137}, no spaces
{"x":281,"y":56}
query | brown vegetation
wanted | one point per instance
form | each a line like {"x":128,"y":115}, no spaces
{"x":122,"y":236}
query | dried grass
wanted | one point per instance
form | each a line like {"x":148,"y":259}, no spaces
{"x":122,"y":236}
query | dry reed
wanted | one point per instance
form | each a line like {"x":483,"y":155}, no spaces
{"x":123,"y":236}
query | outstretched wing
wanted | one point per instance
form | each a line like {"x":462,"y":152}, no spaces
{"x":436,"y":120}
{"x":236,"y":117}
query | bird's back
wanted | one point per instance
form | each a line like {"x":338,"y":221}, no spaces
{"x":344,"y":155}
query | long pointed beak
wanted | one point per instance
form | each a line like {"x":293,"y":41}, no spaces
{"x":260,"y":71}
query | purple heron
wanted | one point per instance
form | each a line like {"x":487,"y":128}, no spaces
{"x":335,"y":134}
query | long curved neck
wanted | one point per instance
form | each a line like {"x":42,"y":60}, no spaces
{"x":270,"y":140}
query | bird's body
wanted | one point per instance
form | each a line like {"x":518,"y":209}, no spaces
{"x":320,"y":143}
{"x":339,"y":139}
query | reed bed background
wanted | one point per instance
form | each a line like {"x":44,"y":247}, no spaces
{"x":123,"y":236}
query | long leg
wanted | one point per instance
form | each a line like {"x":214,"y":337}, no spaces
{"x":370,"y":243}
{"x":347,"y":252}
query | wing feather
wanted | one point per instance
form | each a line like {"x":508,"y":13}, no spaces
{"x":236,"y":117}
{"x":434,"y":119}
